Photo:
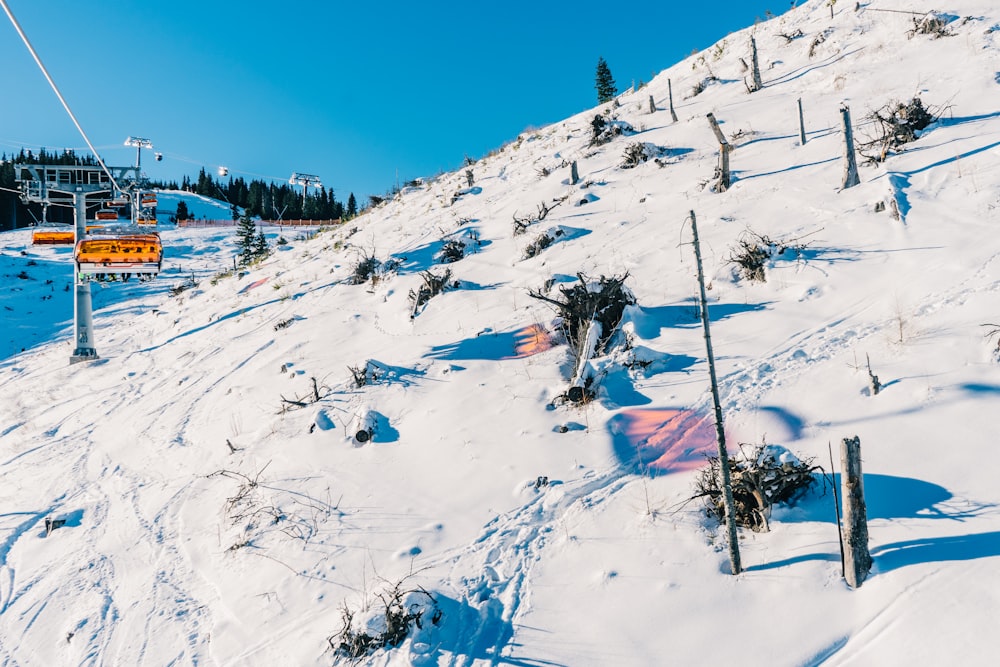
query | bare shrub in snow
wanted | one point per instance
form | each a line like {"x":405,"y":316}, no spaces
{"x":895,"y":124}
{"x":389,"y":620}
{"x":935,"y":25}
{"x":603,"y":301}
{"x":753,"y":251}
{"x":432,"y":286}
{"x":769,"y":475}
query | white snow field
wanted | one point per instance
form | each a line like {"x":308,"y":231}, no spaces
{"x":217,"y":513}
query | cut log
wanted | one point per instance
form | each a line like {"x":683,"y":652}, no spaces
{"x":584,"y":370}
{"x":367,"y":425}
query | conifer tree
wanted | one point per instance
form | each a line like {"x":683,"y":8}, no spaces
{"x":604,"y":83}
{"x":352,"y":206}
{"x":246,"y":238}
{"x":260,"y":247}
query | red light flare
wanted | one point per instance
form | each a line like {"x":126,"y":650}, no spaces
{"x":666,"y":440}
{"x":531,"y":340}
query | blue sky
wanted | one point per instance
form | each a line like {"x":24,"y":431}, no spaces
{"x":360,"y":94}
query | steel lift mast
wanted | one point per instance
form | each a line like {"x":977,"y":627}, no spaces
{"x":58,"y":184}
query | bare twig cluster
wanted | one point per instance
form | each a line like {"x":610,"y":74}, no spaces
{"x":769,"y":476}
{"x":451,"y":251}
{"x":603,"y":131}
{"x":541,"y":242}
{"x":521,"y":223}
{"x":319,"y":392}
{"x":931,"y":24}
{"x":753,"y":251}
{"x":895,"y":124}
{"x":365,"y":269}
{"x":401,"y":611}
{"x":636,"y":153}
{"x":604,"y":301}
{"x":432,"y":286}
{"x":366,"y":375}
{"x":253,"y":509}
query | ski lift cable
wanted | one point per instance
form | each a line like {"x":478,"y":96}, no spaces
{"x":55,"y":88}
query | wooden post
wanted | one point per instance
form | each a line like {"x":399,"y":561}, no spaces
{"x":802,"y":125}
{"x":727,"y":487}
{"x":757,"y":84}
{"x":670,"y":96}
{"x":574,"y":175}
{"x":725,"y":179}
{"x":851,"y":177}
{"x":652,"y":105}
{"x":857,"y":559}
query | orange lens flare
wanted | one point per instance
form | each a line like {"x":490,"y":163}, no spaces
{"x":664,"y":440}
{"x":531,"y":340}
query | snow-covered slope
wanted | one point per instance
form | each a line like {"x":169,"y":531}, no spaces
{"x":217,"y":513}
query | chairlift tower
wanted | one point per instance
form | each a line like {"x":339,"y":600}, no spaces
{"x":305,"y":180}
{"x":62,"y":184}
{"x":139,"y":143}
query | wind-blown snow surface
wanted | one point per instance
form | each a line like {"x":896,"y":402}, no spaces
{"x":207,"y":525}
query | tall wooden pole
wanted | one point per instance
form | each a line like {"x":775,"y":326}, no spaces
{"x":851,"y":177}
{"x":802,"y":125}
{"x":756,"y":84}
{"x":857,"y":558}
{"x":727,"y":487}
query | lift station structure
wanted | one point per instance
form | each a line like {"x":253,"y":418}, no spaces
{"x":72,"y":185}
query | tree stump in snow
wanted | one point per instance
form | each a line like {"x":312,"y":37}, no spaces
{"x":857,"y":558}
{"x":851,"y":177}
{"x":723,"y":174}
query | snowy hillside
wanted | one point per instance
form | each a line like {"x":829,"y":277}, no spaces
{"x":219,"y":508}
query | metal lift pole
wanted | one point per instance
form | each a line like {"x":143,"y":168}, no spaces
{"x":83,"y":311}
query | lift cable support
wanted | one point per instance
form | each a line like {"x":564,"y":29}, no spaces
{"x":305,"y":180}
{"x":138,"y":143}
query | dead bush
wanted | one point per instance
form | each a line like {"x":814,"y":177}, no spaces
{"x":452,"y":251}
{"x":636,"y":153}
{"x":603,"y":130}
{"x":521,"y":223}
{"x":389,"y":622}
{"x":541,"y":242}
{"x":932,"y":24}
{"x":894,"y":125}
{"x":432,"y":286}
{"x":604,"y":301}
{"x":753,"y":251}
{"x":768,"y":476}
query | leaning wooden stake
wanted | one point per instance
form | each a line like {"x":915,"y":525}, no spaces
{"x":850,"y":162}
{"x":670,"y":96}
{"x":574,"y":174}
{"x":725,"y":148}
{"x":857,"y":559}
{"x":652,"y":105}
{"x":727,"y":487}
